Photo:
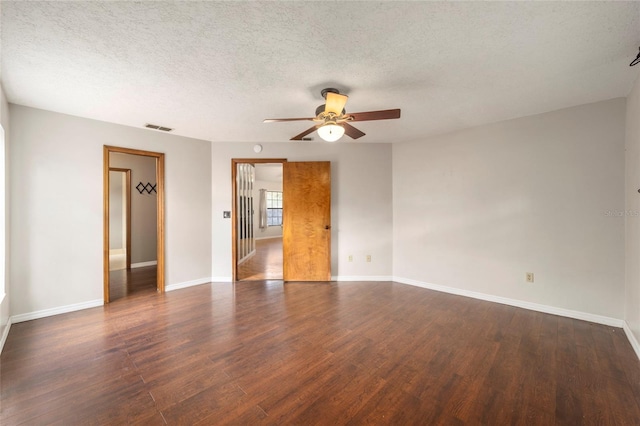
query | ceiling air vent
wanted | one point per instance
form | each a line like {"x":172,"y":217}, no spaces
{"x":156,"y":127}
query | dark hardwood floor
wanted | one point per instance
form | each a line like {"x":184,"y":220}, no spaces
{"x":132,"y":282}
{"x":311,"y":353}
{"x":266,"y":264}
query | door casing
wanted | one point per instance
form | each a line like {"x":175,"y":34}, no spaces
{"x":159,"y":217}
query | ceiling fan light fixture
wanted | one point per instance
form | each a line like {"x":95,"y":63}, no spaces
{"x":331,"y":120}
{"x":330,"y":132}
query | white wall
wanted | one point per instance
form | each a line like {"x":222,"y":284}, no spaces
{"x":360,"y":205}
{"x":5,"y":303}
{"x":56,"y":206}
{"x":632,"y":218}
{"x":143,"y":206}
{"x":473,"y":210}
{"x":477,"y":209}
{"x":269,"y":231}
{"x":117,"y":203}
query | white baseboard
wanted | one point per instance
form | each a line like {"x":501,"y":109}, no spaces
{"x":268,"y":238}
{"x":632,"y":339}
{"x":209,"y":280}
{"x":186,"y":284}
{"x":56,"y":311}
{"x":143,"y":264}
{"x":247,"y":257}
{"x":613,"y":322}
{"x":361,"y":278}
{"x":5,"y":334}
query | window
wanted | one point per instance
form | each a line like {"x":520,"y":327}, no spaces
{"x":274,"y":208}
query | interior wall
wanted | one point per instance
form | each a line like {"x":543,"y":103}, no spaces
{"x":57,"y":207}
{"x":117,"y":203}
{"x":269,"y":231}
{"x":360,"y":201}
{"x":143,"y":206}
{"x":5,"y":303}
{"x":632,"y":213}
{"x":477,"y":209}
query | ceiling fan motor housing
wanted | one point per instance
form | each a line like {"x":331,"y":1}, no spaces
{"x":321,"y":108}
{"x":329,"y":90}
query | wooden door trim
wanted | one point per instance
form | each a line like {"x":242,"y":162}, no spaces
{"x":107,"y":149}
{"x":127,"y":246}
{"x":234,"y":212}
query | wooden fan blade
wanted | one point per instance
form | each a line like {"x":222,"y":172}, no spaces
{"x":303,"y":134}
{"x":278,"y":120}
{"x":351,"y":131}
{"x":335,"y":103}
{"x":375,"y":115}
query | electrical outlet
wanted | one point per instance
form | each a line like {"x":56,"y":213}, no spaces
{"x":350,"y":258}
{"x":529,"y":277}
{"x":368,"y":258}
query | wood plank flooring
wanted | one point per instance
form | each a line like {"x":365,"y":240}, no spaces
{"x":266,"y":264}
{"x":132,"y":282}
{"x":315,"y":354}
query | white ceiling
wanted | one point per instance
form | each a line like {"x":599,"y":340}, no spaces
{"x":215,"y":70}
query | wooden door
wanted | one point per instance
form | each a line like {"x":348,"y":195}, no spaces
{"x":306,"y":218}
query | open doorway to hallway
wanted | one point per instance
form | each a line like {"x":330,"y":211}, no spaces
{"x":133,"y":222}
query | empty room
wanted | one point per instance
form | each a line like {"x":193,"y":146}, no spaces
{"x":319,"y":213}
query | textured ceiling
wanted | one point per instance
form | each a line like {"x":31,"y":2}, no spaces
{"x":214,"y":70}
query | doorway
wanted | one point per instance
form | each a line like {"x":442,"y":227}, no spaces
{"x":146,"y":218}
{"x":259,"y":207}
{"x":305,"y":211}
{"x":257,"y":246}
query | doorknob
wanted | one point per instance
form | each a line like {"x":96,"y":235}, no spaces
{"x":327,"y":227}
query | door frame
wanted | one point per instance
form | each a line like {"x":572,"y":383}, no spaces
{"x":127,"y":244}
{"x":160,"y":246}
{"x":234,"y":208}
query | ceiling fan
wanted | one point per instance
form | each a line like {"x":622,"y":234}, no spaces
{"x":332,"y":120}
